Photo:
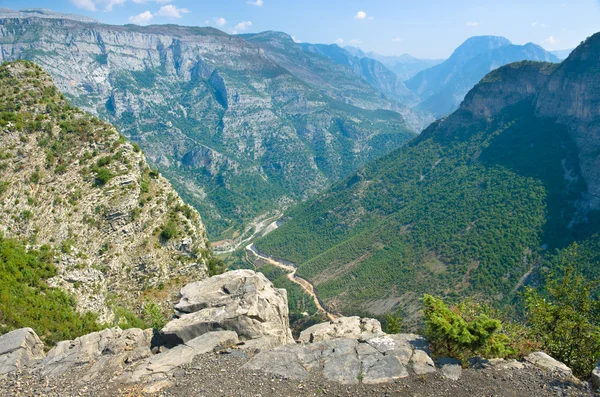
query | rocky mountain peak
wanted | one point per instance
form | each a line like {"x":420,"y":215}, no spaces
{"x":479,"y":44}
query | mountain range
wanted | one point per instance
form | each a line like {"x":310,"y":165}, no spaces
{"x":405,"y":66}
{"x":442,"y":88}
{"x":219,"y":117}
{"x":474,"y":206}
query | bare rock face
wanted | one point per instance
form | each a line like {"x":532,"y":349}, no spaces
{"x":109,"y":351}
{"x":70,"y":181}
{"x":343,"y":327}
{"x":167,"y":362}
{"x":350,"y":359}
{"x":18,"y":349}
{"x":242,"y":301}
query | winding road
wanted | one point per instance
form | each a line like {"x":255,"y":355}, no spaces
{"x":293,"y":277}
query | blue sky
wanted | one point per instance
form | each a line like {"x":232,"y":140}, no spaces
{"x":423,"y":28}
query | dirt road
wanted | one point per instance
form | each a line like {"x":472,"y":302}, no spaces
{"x":304,"y":284}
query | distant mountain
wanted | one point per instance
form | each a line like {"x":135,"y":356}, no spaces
{"x":42,"y":13}
{"x":373,"y":72}
{"x":443,"y":87}
{"x":405,"y":66}
{"x":474,"y":205}
{"x":562,"y":54}
{"x":238,"y":134}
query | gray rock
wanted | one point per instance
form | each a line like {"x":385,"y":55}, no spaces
{"x":421,"y":363}
{"x":110,"y":350}
{"x":343,"y":327}
{"x":174,"y":358}
{"x":451,"y":368}
{"x":19,"y":348}
{"x":284,"y":363}
{"x":242,"y":301}
{"x":381,"y":359}
{"x":596,"y":376}
{"x":545,"y":362}
{"x":385,"y":369}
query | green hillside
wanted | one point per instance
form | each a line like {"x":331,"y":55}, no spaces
{"x":466,"y":209}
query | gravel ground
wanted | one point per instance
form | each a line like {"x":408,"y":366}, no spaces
{"x":221,"y":376}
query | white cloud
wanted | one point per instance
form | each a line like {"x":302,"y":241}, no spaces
{"x":220,"y":21}
{"x":397,"y":40}
{"x":540,"y":25}
{"x":240,"y":27}
{"x":473,"y":24}
{"x":156,"y":1}
{"x":296,"y":40}
{"x":355,"y":42}
{"x":171,"y":11}
{"x":141,"y":19}
{"x":340,"y":41}
{"x":361,"y":15}
{"x":110,"y":3}
{"x":552,"y":41}
{"x":258,"y":3}
{"x":84,"y":4}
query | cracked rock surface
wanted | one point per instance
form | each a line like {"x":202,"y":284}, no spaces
{"x":380,"y":359}
{"x":242,"y":301}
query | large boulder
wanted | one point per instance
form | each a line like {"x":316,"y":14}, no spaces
{"x":379,"y":359}
{"x":108,"y":351}
{"x":19,"y":348}
{"x":242,"y":301}
{"x":343,"y":327}
{"x":164,"y":363}
{"x":545,"y":362}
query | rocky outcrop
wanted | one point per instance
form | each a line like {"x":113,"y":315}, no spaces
{"x":242,"y":301}
{"x":18,"y":349}
{"x":349,"y":350}
{"x":343,"y":327}
{"x":70,"y":181}
{"x":545,"y":362}
{"x":162,"y":364}
{"x":109,"y":351}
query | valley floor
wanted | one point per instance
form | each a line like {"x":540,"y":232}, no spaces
{"x":220,"y":375}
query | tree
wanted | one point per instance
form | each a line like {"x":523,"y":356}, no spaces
{"x":393,"y":322}
{"x":566,"y":321}
{"x":452,"y":332}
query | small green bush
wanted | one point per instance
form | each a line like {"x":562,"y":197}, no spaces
{"x":215,"y":266}
{"x":452,"y":333}
{"x":169,"y":231}
{"x":567,"y":321}
{"x":103,"y":175}
{"x":154,"y":316}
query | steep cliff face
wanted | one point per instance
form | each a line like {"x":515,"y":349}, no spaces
{"x":220,"y":119}
{"x":68,"y":180}
{"x":571,"y":96}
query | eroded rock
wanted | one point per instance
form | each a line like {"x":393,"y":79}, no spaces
{"x":545,"y":362}
{"x":111,"y":350}
{"x":379,"y":359}
{"x":242,"y":301}
{"x":19,"y":348}
{"x":172,"y":359}
{"x":343,"y":327}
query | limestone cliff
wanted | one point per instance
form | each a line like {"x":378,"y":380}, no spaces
{"x":69,"y":180}
{"x":223,"y":121}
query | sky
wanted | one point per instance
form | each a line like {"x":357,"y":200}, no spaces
{"x":422,"y":28}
